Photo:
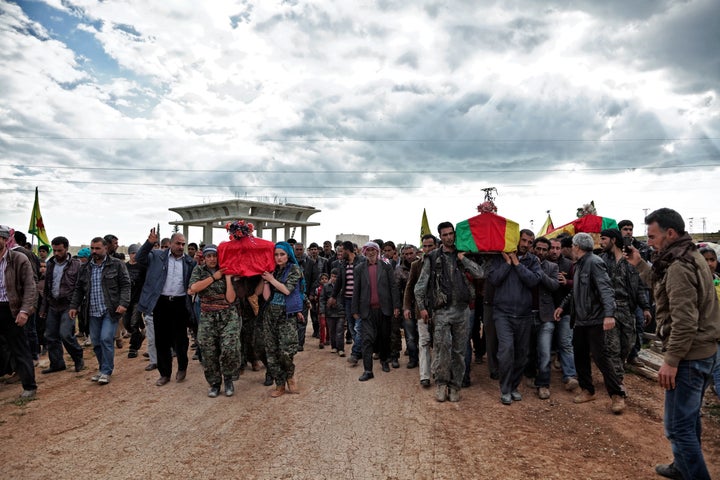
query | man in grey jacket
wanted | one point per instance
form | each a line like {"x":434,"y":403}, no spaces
{"x":593,"y":300}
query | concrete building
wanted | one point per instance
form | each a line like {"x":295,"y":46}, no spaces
{"x":264,"y":216}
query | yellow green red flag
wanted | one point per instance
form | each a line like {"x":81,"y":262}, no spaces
{"x":37,"y":227}
{"x":487,"y":232}
{"x":424,"y":226}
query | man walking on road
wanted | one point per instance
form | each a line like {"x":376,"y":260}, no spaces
{"x":688,"y":323}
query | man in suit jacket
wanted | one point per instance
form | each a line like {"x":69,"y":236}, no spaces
{"x":375,"y":299}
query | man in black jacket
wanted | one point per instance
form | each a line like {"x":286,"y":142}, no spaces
{"x":60,"y":278}
{"x":593,"y":300}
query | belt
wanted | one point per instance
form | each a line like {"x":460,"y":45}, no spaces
{"x":173,"y":298}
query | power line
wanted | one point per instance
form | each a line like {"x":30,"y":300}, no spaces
{"x":382,"y":172}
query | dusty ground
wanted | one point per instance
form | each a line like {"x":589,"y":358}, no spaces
{"x":387,"y":428}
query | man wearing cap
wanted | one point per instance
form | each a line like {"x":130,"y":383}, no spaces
{"x":628,"y":295}
{"x":105,"y":283}
{"x":375,"y":300}
{"x":444,"y":291}
{"x":61,"y":277}
{"x":18,"y":295}
{"x":164,"y":295}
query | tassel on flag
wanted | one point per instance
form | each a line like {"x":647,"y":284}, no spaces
{"x":424,"y":226}
{"x":37,"y":227}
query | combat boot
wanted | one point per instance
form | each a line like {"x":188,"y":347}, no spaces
{"x":229,"y":387}
{"x":279,"y":391}
{"x":268,"y":380}
{"x":618,"y":404}
{"x":292,"y":385}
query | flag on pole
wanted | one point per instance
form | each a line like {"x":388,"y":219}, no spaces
{"x":424,"y":227}
{"x":37,"y":227}
{"x":547,"y":226}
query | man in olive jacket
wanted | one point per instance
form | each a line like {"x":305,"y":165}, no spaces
{"x":688,"y":323}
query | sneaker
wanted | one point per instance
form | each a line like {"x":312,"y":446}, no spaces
{"x":584,"y":396}
{"x":333,"y":350}
{"x":515,"y":395}
{"x":543,"y":393}
{"x":453,"y":395}
{"x":96,"y":377}
{"x":87,"y":342}
{"x":572,"y":384}
{"x":441,"y":392}
{"x":341,"y":353}
{"x":506,"y":399}
{"x":214,"y":391}
{"x":425,"y":383}
{"x":103,"y":379}
{"x":618,"y":404}
{"x":668,"y":471}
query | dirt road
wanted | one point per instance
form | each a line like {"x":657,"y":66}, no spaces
{"x":337,"y":428}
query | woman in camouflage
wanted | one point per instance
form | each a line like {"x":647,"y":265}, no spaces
{"x":282,"y":290}
{"x":219,"y":327}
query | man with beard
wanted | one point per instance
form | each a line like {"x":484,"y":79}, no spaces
{"x":628,"y":295}
{"x":402,"y":273}
{"x":688,"y":323}
{"x":514,"y":275}
{"x":105,"y":282}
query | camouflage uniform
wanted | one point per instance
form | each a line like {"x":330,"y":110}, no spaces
{"x":219,"y":330}
{"x":280,"y":331}
{"x":628,"y":295}
{"x":451,"y":331}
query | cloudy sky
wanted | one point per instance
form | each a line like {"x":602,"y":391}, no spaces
{"x":369,"y":111}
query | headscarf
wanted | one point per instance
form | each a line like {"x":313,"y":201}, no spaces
{"x":287,"y":248}
{"x":370,"y":245}
{"x":83,"y":253}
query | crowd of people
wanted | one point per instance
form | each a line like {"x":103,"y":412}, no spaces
{"x":568,"y":300}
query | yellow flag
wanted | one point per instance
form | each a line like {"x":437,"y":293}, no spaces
{"x":547,"y":227}
{"x":424,"y":227}
{"x":37,"y":227}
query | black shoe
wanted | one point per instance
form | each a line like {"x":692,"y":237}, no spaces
{"x":132,"y":354}
{"x":322,"y":345}
{"x":79,"y":365}
{"x":214,"y":391}
{"x":348,"y":342}
{"x":465,"y":382}
{"x":425,"y":383}
{"x":367,"y":376}
{"x":151,"y":366}
{"x":385,"y":367}
{"x":53,"y":370}
{"x":495,"y":376}
{"x":301,"y":349}
{"x":229,"y":388}
{"x":668,"y":471}
{"x":268,"y":380}
{"x":412,"y":364}
{"x":395,"y":363}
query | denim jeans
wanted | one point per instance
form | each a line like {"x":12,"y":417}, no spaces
{"x":59,"y":331}
{"x":564,"y":336}
{"x":544,"y":348}
{"x":411,"y":338}
{"x":682,"y":415}
{"x":102,"y":334}
{"x":469,"y":350}
{"x":424,"y":342}
{"x":513,"y":334}
{"x":355,"y":324}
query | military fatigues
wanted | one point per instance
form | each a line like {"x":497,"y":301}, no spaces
{"x":219,"y":330}
{"x":628,"y":294}
{"x":450,"y":316}
{"x":280,"y":330}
